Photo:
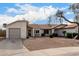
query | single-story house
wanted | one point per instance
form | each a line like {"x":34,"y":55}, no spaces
{"x":22,"y":29}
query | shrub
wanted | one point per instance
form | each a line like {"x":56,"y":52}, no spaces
{"x":51,"y":36}
{"x":64,"y":32}
{"x":27,"y":37}
{"x":69,"y":35}
{"x":74,"y":34}
{"x":55,"y":35}
{"x":43,"y":34}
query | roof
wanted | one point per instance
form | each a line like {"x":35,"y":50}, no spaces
{"x":53,"y":26}
{"x":70,"y":26}
{"x":17,"y":21}
{"x":60,"y":26}
{"x":46,"y":26}
{"x":42,"y":26}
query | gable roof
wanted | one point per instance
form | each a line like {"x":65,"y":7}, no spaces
{"x":53,"y":26}
{"x":60,"y":26}
{"x":42,"y":26}
{"x":17,"y":21}
{"x":70,"y":26}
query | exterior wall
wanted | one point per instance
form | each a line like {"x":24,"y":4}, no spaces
{"x":33,"y":32}
{"x":59,"y":32}
{"x":21,"y":25}
{"x":52,"y":31}
{"x":73,"y":30}
{"x":41,"y":31}
{"x":69,"y":30}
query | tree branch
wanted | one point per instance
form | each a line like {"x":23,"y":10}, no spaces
{"x":69,"y":20}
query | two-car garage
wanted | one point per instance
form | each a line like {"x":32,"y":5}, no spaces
{"x":17,"y":30}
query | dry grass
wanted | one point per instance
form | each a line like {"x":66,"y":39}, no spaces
{"x":45,"y":43}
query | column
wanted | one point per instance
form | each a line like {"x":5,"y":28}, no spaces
{"x":33,"y":34}
{"x":40,"y":31}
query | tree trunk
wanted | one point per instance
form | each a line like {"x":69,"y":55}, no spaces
{"x":72,"y":22}
{"x":68,"y":20}
{"x":78,"y":32}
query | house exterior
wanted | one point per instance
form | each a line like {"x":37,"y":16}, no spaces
{"x":22,"y":29}
{"x":40,"y":30}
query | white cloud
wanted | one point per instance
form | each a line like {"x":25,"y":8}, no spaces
{"x":5,"y":19}
{"x":27,"y":11}
{"x":32,"y":12}
{"x":11,"y":10}
{"x":69,"y":12}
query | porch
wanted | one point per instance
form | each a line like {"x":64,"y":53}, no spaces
{"x":40,"y":32}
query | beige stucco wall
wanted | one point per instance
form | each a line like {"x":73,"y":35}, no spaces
{"x":22,"y":25}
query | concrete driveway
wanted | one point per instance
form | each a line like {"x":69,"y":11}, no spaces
{"x":12,"y":47}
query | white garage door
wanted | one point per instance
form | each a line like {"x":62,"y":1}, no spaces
{"x":14,"y":33}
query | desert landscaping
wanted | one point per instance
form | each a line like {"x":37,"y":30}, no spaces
{"x":33,"y":44}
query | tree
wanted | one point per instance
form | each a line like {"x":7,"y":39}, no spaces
{"x":75,"y":10}
{"x":49,"y":20}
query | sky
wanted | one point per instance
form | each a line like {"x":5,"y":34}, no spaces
{"x":36,"y":13}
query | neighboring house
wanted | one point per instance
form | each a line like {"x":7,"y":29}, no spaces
{"x":22,"y":29}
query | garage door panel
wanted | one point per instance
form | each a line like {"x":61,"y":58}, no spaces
{"x":14,"y":33}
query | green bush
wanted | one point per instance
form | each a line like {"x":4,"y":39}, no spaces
{"x":55,"y":35}
{"x":51,"y":36}
{"x":69,"y":35}
{"x":74,"y":34}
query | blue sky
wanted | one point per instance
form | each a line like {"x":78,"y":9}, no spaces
{"x":3,"y":6}
{"x":11,"y":10}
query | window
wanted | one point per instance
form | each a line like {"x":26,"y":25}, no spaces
{"x":46,"y":31}
{"x":37,"y":31}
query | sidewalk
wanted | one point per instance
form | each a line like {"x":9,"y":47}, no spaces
{"x":56,"y":51}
